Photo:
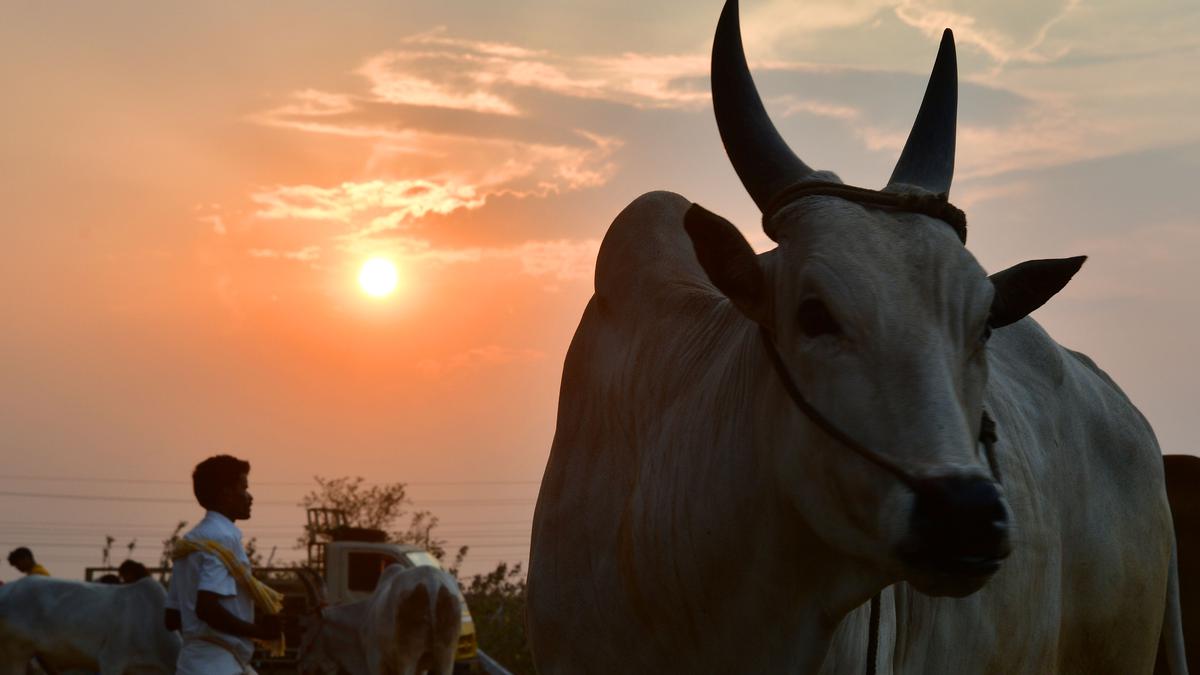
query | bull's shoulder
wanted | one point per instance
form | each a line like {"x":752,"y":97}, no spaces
{"x":1025,"y":355}
{"x":1090,"y":365}
{"x":1065,"y":389}
{"x":1031,"y":362}
{"x":646,"y":256}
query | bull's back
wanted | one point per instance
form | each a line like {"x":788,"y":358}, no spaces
{"x":648,"y":286}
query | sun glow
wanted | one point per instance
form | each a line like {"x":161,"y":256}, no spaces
{"x":378,"y":277}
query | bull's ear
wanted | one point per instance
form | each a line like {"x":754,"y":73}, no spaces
{"x":1023,"y":288}
{"x":729,"y":261}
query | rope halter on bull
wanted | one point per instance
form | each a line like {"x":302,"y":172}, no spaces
{"x":933,"y":205}
{"x":776,"y":178}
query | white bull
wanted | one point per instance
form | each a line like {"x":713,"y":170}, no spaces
{"x":409,"y":625}
{"x":74,"y":625}
{"x":749,"y":447}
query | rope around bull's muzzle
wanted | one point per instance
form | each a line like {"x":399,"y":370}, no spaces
{"x":933,"y":205}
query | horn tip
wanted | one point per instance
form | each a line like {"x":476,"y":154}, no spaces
{"x":946,"y":47}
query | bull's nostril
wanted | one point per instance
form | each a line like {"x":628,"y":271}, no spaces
{"x":960,"y":524}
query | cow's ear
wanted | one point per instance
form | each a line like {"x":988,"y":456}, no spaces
{"x":729,"y":261}
{"x":1023,"y":288}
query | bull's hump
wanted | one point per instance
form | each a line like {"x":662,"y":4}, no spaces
{"x":646,"y":253}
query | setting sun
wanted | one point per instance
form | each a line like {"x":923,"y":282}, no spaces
{"x":378,"y":277}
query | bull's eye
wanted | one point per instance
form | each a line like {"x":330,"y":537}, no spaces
{"x":816,"y":320}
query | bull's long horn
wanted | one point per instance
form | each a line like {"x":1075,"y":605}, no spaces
{"x":928,"y":157}
{"x":758,"y":153}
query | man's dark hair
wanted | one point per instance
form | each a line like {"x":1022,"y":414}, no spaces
{"x":131,"y":571}
{"x":215,"y":474}
{"x":18,"y":553}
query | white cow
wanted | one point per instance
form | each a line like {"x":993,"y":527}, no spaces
{"x":749,"y":447}
{"x":74,"y":625}
{"x":409,"y":625}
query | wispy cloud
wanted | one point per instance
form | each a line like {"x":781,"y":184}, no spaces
{"x":1048,"y":134}
{"x":554,"y":259}
{"x":993,"y":33}
{"x":216,"y":222}
{"x":466,"y":174}
{"x":1142,"y":265}
{"x":993,"y":29}
{"x":837,"y":111}
{"x":451,"y":123}
{"x":393,"y":201}
{"x":306,"y":254}
{"x":435,"y":69}
{"x":479,"y":357}
{"x":769,"y":25}
{"x":563,"y":259}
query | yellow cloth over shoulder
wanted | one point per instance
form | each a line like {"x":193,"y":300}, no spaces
{"x":266,"y":599}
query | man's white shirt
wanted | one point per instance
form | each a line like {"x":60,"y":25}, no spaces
{"x":203,"y":571}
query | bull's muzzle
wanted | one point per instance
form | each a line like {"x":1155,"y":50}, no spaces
{"x":958,"y":534}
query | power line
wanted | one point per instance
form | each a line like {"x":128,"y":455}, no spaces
{"x":153,"y":536}
{"x":501,"y":501}
{"x":250,"y":526}
{"x":311,"y":484}
{"x":117,"y":549}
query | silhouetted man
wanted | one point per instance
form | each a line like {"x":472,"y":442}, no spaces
{"x":211,"y":599}
{"x":22,"y":559}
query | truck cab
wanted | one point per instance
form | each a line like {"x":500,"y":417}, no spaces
{"x":350,"y":561}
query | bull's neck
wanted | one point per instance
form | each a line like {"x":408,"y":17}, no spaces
{"x":744,"y":521}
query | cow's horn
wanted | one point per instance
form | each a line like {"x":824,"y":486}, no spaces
{"x":928,"y":157}
{"x":758,"y":153}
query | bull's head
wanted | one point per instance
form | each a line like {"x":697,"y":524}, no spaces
{"x":883,"y":317}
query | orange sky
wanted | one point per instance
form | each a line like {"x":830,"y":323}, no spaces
{"x":190,"y":190}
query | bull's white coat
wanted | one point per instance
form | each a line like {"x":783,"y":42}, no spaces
{"x":409,"y":625}
{"x":74,"y":625}
{"x":691,"y":520}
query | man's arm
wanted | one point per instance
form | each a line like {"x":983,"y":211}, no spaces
{"x":210,"y":611}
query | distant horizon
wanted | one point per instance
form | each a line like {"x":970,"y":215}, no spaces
{"x":275,"y":522}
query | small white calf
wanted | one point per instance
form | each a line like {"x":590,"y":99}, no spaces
{"x":409,"y":625}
